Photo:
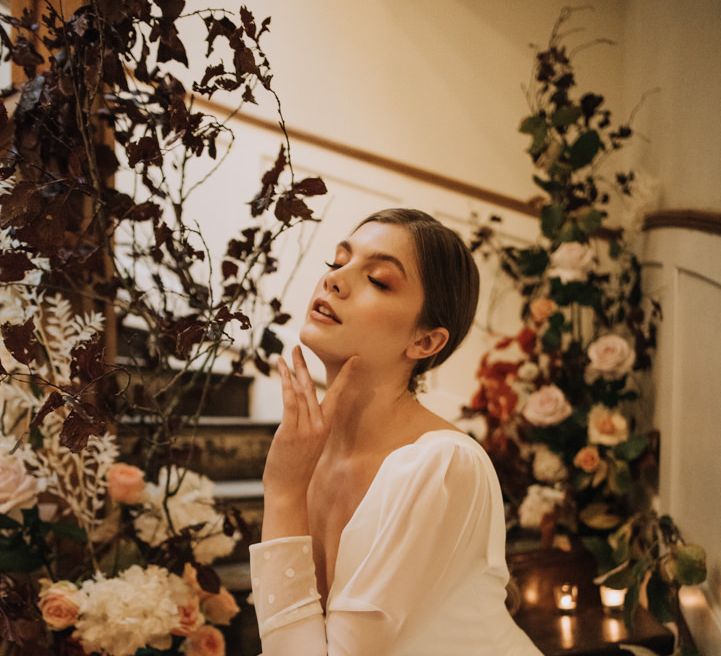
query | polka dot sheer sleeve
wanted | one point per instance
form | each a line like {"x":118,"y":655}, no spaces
{"x":284,"y":585}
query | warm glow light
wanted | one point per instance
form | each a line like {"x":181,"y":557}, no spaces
{"x":566,"y":596}
{"x":612,"y":629}
{"x":567,"y":632}
{"x":612,"y":599}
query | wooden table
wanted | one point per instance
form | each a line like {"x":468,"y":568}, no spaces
{"x":588,"y":631}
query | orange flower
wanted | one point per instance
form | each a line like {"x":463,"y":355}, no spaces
{"x":587,"y":459}
{"x":125,"y":483}
{"x":220,"y":608}
{"x":542,"y":308}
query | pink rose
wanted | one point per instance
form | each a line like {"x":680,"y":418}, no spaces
{"x":546,"y":406}
{"x":206,"y":641}
{"x":58,"y":604}
{"x":125,"y":483}
{"x":18,"y":489}
{"x":220,"y":608}
{"x":611,"y":357}
{"x":190,"y":617}
{"x":542,"y":308}
{"x":571,"y":261}
{"x":587,"y":459}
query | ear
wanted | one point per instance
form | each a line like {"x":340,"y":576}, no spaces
{"x":427,"y":343}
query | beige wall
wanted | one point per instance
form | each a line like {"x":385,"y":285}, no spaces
{"x":676,"y":46}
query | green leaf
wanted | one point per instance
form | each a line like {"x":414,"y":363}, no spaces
{"x":548,"y":185}
{"x":531,"y":124}
{"x":619,"y":476}
{"x":564,"y":116}
{"x":596,"y":515}
{"x":659,"y":598}
{"x":614,"y":249}
{"x":551,"y":220}
{"x":631,"y":448}
{"x":570,"y":232}
{"x":533,"y":261}
{"x":70,"y":531}
{"x":601,"y":551}
{"x":20,"y":558}
{"x":8,"y":522}
{"x":630,"y":605}
{"x":584,"y":149}
{"x":590,"y":221}
{"x":556,"y":320}
{"x":690,"y":563}
{"x":538,"y":145}
{"x":621,"y":579}
{"x":551,"y":340}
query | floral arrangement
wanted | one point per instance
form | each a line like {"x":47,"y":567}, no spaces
{"x":562,"y":397}
{"x":97,"y":555}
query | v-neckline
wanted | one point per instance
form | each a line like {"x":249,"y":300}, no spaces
{"x":365,"y":496}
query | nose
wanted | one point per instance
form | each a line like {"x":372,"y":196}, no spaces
{"x":333,"y":280}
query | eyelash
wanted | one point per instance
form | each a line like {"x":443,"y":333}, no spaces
{"x":377,"y":283}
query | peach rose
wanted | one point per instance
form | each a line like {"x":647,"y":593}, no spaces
{"x":190,"y":617}
{"x":610,"y":357}
{"x":125,"y":483}
{"x":206,"y":641}
{"x":59,"y":604}
{"x":220,"y":608}
{"x":606,"y":426}
{"x":587,"y":459}
{"x":546,"y":406}
{"x":190,"y":576}
{"x":571,"y":261}
{"x":542,"y":308}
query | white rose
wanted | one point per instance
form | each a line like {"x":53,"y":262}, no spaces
{"x":547,"y":406}
{"x":611,"y":358}
{"x":571,"y":261}
{"x":548,"y":466}
{"x":606,"y":426}
{"x":528,"y":371}
{"x":18,"y":489}
{"x":540,"y":500}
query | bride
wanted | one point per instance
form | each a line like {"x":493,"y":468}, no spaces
{"x":383,"y":528}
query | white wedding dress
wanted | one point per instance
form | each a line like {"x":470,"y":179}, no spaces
{"x":420,"y":570}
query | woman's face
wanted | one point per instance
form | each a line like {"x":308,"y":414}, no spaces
{"x":375,"y":290}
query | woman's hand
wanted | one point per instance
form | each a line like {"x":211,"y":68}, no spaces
{"x":299,"y":440}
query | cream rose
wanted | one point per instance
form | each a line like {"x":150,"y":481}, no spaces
{"x":59,"y":604}
{"x":125,"y":483}
{"x":606,"y":426}
{"x":542,"y":308}
{"x":610,"y":357}
{"x":546,"y":406}
{"x":587,"y":459}
{"x":571,"y":261}
{"x":220,"y":608}
{"x":18,"y":489}
{"x":528,"y":371}
{"x":540,"y":501}
{"x":548,"y":466}
{"x":206,"y":641}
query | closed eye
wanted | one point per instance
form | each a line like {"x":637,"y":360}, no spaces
{"x":377,"y":283}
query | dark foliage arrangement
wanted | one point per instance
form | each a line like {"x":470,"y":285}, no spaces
{"x":78,"y":257}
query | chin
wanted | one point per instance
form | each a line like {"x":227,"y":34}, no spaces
{"x":320,"y":344}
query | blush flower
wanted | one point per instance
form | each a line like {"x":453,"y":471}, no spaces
{"x":610,"y":357}
{"x":206,"y":641}
{"x":548,"y":466}
{"x":540,"y":500}
{"x":125,"y":483}
{"x":220,"y":608}
{"x":546,"y":406}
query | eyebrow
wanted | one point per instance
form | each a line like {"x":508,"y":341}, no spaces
{"x":385,"y":257}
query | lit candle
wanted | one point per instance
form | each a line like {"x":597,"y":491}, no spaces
{"x":611,"y":598}
{"x":567,"y":631}
{"x":566,"y":596}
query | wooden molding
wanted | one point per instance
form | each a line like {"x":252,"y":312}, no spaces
{"x":524,"y":207}
{"x":701,"y":220}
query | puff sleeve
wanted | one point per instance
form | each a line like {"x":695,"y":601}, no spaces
{"x":434,"y":510}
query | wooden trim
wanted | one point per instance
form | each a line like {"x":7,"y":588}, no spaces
{"x":701,"y":220}
{"x":524,"y":207}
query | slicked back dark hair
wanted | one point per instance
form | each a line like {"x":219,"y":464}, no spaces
{"x":449,"y":277}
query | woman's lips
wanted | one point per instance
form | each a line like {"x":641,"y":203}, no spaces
{"x":323,"y":318}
